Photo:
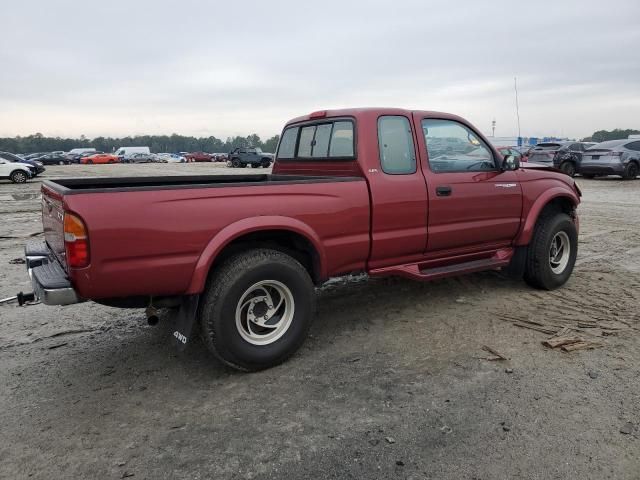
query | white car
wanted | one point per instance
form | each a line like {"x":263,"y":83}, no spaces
{"x":14,"y":171}
{"x":171,"y":158}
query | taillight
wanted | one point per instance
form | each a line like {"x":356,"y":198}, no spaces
{"x":616,"y":154}
{"x":76,"y":241}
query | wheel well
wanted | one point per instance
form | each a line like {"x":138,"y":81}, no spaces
{"x":286,"y":241}
{"x":559,"y":204}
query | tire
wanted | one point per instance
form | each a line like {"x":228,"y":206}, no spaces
{"x":588,"y":175}
{"x":569,"y":168}
{"x":235,"y":163}
{"x":18,"y":176}
{"x":266,"y":163}
{"x":89,"y":162}
{"x":224,"y":322}
{"x":543,"y":270}
{"x":631,"y":171}
{"x":61,"y":162}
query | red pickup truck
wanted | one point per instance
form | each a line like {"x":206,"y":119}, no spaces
{"x":416,"y":194}
{"x":199,"y":157}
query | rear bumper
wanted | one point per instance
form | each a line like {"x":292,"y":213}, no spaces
{"x":49,"y":280}
{"x":602,"y":168}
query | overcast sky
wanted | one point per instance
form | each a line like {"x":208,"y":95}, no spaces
{"x":236,"y":67}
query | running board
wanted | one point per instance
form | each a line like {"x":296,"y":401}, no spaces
{"x":500,"y":259}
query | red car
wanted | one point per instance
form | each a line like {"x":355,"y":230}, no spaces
{"x":417,"y":194}
{"x":198,"y":157}
{"x":100,"y":158}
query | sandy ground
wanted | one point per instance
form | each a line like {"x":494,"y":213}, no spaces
{"x":392,"y":383}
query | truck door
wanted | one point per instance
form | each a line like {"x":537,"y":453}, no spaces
{"x":473,"y":205}
{"x":398,"y":195}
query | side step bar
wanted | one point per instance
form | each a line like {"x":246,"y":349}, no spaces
{"x":413,"y":271}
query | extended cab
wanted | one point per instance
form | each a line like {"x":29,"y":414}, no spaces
{"x":416,"y":194}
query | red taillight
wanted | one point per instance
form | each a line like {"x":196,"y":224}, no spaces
{"x":76,"y":241}
{"x":616,"y":154}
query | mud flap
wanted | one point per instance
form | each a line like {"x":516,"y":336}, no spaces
{"x":185,"y":321}
{"x":516,"y":267}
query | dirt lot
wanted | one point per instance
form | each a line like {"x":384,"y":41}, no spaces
{"x":392,"y":383}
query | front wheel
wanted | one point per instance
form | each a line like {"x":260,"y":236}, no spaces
{"x":569,"y":168}
{"x":257,"y":309}
{"x":266,"y":163}
{"x":235,"y":163}
{"x":630,"y":171}
{"x":18,"y":176}
{"x":552,"y":252}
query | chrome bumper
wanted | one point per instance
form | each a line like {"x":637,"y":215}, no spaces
{"x":50,"y":283}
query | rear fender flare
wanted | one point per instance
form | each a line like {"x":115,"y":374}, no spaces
{"x":244,"y":227}
{"x":526,"y":233}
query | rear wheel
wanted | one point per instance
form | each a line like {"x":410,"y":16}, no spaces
{"x":631,"y":171}
{"x":569,"y":168}
{"x":89,"y":162}
{"x":18,"y":176}
{"x":552,"y":251}
{"x":257,"y":309}
{"x":61,"y":162}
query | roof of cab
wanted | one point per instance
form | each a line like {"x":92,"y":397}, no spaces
{"x":377,"y":111}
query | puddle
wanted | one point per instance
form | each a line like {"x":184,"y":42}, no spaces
{"x":25,"y":196}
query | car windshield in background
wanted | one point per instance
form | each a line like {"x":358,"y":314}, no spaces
{"x":609,"y":144}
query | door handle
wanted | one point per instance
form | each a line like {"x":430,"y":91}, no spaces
{"x":443,"y":191}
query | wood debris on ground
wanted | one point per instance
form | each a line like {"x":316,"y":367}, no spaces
{"x":495,"y":354}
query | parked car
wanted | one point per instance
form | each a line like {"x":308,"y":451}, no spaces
{"x":504,"y":151}
{"x":142,"y":158}
{"x":81,"y":151}
{"x":198,"y":157}
{"x":241,"y":157}
{"x":15,"y":171}
{"x":568,"y":157}
{"x":54,"y":158}
{"x":35,"y":167}
{"x":614,"y":157}
{"x":100,"y":158}
{"x":380,"y":196}
{"x":220,"y":157}
{"x":171,"y":158}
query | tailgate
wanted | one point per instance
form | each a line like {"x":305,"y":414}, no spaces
{"x":53,"y":223}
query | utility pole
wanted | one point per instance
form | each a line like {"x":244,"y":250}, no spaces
{"x":493,"y":127}
{"x":515,"y":85}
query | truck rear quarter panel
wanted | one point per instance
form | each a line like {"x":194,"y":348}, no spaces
{"x":153,"y":242}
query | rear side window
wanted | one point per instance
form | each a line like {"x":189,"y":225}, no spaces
{"x":327,"y":140}
{"x":397,"y":154}
{"x":287,"y":148}
{"x":634,"y":146}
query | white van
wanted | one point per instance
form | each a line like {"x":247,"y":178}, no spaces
{"x":80,"y":151}
{"x":126,"y":152}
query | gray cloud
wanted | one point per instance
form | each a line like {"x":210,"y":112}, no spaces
{"x":225,"y":68}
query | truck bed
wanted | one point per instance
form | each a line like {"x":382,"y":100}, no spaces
{"x":153,"y":235}
{"x":110,"y":184}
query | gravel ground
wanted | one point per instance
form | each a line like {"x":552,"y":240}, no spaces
{"x":392,"y":383}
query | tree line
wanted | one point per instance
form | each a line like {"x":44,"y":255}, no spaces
{"x":157,"y":143}
{"x":616,"y":134}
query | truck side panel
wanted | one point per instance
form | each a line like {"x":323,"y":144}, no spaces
{"x":155,"y":247}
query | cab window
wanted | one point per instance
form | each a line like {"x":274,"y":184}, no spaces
{"x":397,"y":153}
{"x":453,"y":147}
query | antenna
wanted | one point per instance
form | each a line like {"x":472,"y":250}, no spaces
{"x":515,"y":85}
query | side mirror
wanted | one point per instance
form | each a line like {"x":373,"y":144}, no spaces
{"x":510,"y":162}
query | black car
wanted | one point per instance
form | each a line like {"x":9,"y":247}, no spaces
{"x":241,"y":157}
{"x":54,"y":158}
{"x":35,"y":166}
{"x":569,"y":156}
